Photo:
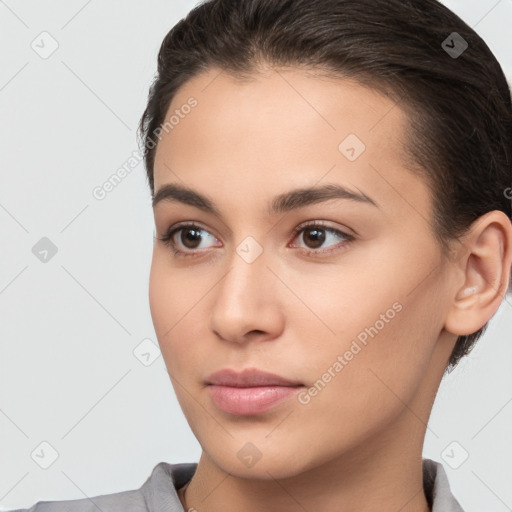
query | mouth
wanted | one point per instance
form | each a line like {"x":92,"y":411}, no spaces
{"x":249,"y":392}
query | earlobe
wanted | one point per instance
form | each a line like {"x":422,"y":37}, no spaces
{"x":485,"y":265}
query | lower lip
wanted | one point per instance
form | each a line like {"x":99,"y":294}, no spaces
{"x":249,"y":400}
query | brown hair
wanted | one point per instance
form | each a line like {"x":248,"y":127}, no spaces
{"x":451,"y":86}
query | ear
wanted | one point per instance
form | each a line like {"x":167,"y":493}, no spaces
{"x":483,"y":273}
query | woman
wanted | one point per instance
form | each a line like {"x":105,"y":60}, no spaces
{"x":331,"y":192}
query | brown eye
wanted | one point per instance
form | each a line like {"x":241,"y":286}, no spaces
{"x":319,"y":238}
{"x":314,"y":237}
{"x":189,"y":240}
{"x":190,"y":237}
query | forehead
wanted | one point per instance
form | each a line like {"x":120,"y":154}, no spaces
{"x":288,"y":126}
{"x":289,"y":95}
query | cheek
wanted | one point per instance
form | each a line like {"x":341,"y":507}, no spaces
{"x":370,"y":339}
{"x":380,"y":354}
{"x":159,"y":296}
{"x":337,"y":304}
{"x":171,"y":293}
{"x":178,"y":312}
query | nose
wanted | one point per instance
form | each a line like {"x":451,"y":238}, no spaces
{"x":246,"y":305}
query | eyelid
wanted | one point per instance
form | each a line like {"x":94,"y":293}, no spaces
{"x":326,"y":225}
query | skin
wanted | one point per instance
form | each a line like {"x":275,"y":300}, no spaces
{"x":357,"y":444}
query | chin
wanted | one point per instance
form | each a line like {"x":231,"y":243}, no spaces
{"x":265,"y":463}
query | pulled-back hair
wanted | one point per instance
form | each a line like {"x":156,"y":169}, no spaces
{"x":458,"y":104}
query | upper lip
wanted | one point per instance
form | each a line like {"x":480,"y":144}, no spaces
{"x":249,"y":377}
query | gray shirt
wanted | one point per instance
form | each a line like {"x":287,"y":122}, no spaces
{"x":159,"y":493}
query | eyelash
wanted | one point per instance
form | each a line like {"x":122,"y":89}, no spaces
{"x":167,"y":239}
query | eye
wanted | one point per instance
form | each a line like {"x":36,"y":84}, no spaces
{"x":184,"y":239}
{"x":316,"y":234}
{"x":188,"y":239}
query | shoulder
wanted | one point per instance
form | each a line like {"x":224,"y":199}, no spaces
{"x":437,"y":488}
{"x":131,"y":500}
{"x":157,"y":493}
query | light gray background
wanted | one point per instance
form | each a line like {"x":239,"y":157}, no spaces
{"x":69,"y":328}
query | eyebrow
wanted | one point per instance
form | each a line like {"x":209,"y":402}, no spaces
{"x":292,"y":200}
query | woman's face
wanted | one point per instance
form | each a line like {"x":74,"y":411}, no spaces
{"x":351,"y":310}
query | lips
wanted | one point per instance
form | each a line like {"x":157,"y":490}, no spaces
{"x":249,"y":377}
{"x":249,"y":392}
